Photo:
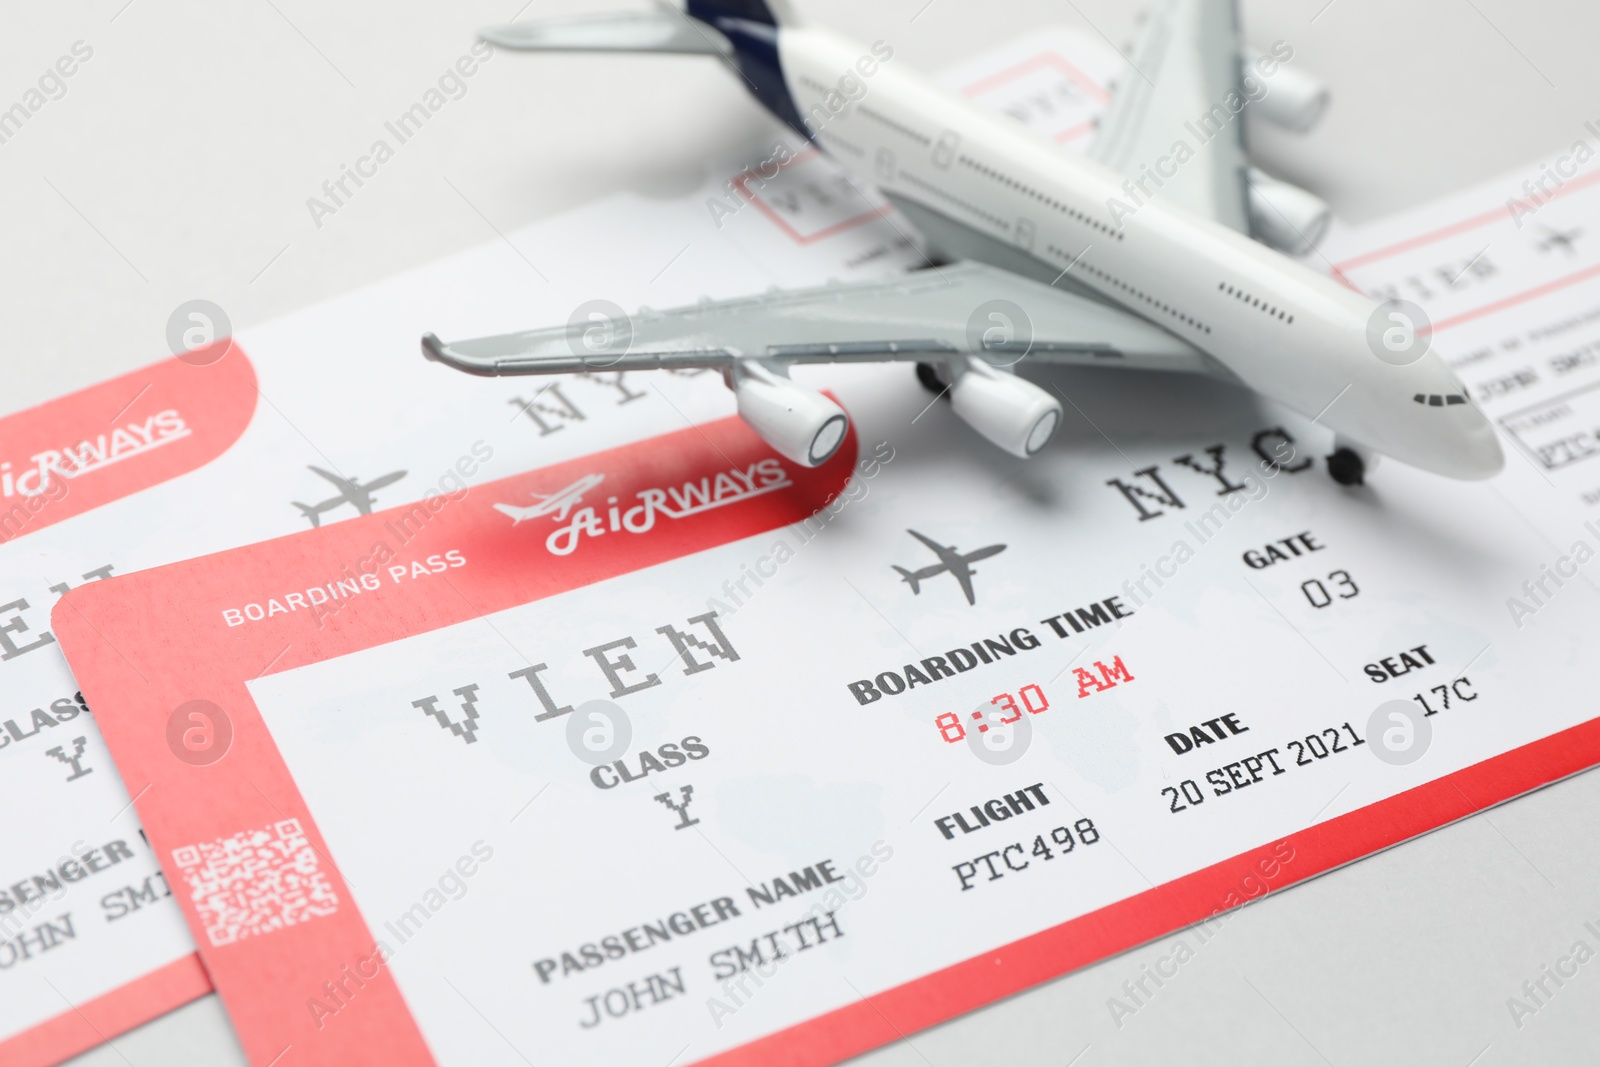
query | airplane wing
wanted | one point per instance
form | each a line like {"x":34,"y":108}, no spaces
{"x":666,"y":29}
{"x":1184,"y":63}
{"x":383,"y":480}
{"x":944,"y":553}
{"x":1175,"y":126}
{"x":935,"y":315}
{"x":349,"y":488}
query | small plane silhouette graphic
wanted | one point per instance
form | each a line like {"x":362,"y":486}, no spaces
{"x":950,"y":562}
{"x":1566,"y":240}
{"x":351,"y":491}
{"x":557,"y":503}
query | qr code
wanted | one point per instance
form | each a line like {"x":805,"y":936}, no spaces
{"x":255,"y":882}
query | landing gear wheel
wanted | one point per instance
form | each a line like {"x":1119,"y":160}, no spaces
{"x":929,"y":376}
{"x":1347,"y":467}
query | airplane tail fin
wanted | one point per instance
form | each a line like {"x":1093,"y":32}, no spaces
{"x":765,"y":12}
{"x":909,"y":578}
{"x":743,"y":33}
{"x":309,"y":512}
{"x":665,"y":29}
{"x":517,"y":514}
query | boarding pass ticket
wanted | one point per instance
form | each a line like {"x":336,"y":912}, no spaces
{"x":93,"y":942}
{"x":676,"y":752}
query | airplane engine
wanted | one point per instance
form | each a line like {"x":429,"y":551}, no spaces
{"x":1285,"y":216}
{"x":1012,"y":413}
{"x":1295,"y":100}
{"x":800,"y":423}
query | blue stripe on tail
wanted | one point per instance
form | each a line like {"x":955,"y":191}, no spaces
{"x":747,"y":10}
{"x":752,"y":29}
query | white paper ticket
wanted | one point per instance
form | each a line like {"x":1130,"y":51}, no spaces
{"x":740,"y":783}
{"x":303,"y":422}
{"x":670,"y":769}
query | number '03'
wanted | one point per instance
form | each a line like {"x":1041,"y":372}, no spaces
{"x":1344,"y":588}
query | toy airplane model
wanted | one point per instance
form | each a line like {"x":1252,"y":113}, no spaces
{"x":1139,"y":256}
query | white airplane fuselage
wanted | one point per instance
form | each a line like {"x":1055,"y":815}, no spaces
{"x":1279,"y":327}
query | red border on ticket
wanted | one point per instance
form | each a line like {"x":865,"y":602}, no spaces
{"x":124,"y":435}
{"x":156,"y":639}
{"x":84,"y":1026}
{"x":71,"y":455}
{"x":145,"y":643}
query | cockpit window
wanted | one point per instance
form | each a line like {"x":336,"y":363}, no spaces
{"x":1435,"y":400}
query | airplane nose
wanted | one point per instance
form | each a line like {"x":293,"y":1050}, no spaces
{"x":1418,"y":411}
{"x":1479,"y":456}
{"x":1460,"y":442}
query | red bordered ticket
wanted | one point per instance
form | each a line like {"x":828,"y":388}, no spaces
{"x":89,"y":944}
{"x":679,"y":753}
{"x":184,"y":457}
{"x":290,"y":426}
{"x":782,"y":785}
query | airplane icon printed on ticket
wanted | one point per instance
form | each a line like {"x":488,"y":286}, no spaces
{"x":1565,"y":240}
{"x":951,"y":561}
{"x":351,"y":491}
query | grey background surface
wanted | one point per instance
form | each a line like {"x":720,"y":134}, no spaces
{"x":179,"y":163}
